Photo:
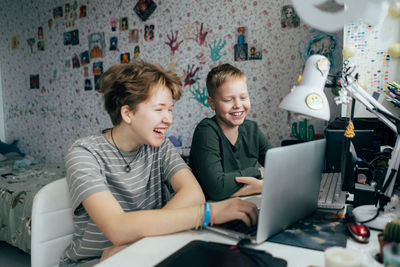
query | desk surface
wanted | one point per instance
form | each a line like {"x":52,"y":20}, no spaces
{"x":152,"y":250}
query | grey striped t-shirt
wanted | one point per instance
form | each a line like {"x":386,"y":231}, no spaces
{"x":94,"y":165}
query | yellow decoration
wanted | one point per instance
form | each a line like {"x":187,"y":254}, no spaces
{"x":299,"y":78}
{"x":350,"y":130}
{"x":394,"y":50}
{"x":394,"y":11}
{"x":349,"y":51}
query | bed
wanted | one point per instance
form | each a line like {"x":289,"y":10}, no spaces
{"x":18,"y":187}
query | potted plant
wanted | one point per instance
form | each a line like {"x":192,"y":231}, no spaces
{"x":391,"y":233}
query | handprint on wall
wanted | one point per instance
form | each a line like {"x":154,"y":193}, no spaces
{"x":199,"y":94}
{"x":216,"y":49}
{"x":172,"y":42}
{"x":191,"y":75}
{"x":201,"y":36}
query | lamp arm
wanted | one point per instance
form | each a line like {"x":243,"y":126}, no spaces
{"x":356,"y":92}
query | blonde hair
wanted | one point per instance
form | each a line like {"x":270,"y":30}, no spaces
{"x":220,"y":74}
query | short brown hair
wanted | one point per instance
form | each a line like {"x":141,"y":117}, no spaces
{"x":220,"y":74}
{"x":132,"y":83}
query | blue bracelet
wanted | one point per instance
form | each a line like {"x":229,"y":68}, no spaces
{"x":207,"y":212}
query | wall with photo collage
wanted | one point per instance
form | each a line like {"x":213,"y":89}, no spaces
{"x":53,"y":52}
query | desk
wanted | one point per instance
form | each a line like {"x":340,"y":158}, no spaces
{"x":152,"y":250}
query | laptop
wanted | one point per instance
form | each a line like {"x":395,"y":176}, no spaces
{"x":290,"y":189}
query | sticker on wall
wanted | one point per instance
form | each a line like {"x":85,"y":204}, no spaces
{"x":75,"y":61}
{"x":255,"y":52}
{"x":97,"y":68}
{"x":84,"y":56}
{"x":96,"y":45}
{"x":136,"y":52}
{"x":133,"y":36}
{"x":40,"y":33}
{"x":82,"y":11}
{"x":114,"y":24}
{"x":86,"y":71}
{"x":322,"y":44}
{"x":125,"y":58}
{"x":43,"y":90}
{"x":67,"y":38}
{"x":54,"y":76}
{"x":14,"y":42}
{"x":75,"y":37}
{"x":50,"y":23}
{"x":149,"y":32}
{"x":123,"y":24}
{"x":34,"y":81}
{"x":215,"y":49}
{"x":31,"y":42}
{"x":289,"y":17}
{"x":241,"y":47}
{"x":96,"y":82}
{"x":113,"y":43}
{"x":173,"y":42}
{"x":144,"y":9}
{"x":40,"y":45}
{"x":57,"y":12}
{"x":88,"y":85}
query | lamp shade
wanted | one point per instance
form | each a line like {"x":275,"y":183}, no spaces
{"x":308,"y":98}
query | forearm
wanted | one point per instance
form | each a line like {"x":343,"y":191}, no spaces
{"x":129,"y":227}
{"x":185,"y":198}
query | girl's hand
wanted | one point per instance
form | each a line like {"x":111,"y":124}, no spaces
{"x":235,"y":209}
{"x":251,"y":186}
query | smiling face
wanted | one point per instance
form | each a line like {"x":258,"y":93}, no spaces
{"x":151,"y":118}
{"x":231,"y":103}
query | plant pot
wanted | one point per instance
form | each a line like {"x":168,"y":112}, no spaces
{"x":382,"y":243}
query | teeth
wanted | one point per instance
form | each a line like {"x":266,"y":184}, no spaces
{"x":159,"y":130}
{"x":237,"y":113}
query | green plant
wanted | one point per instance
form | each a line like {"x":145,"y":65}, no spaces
{"x":302,"y":132}
{"x":391,"y":232}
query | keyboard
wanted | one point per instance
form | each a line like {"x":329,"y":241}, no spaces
{"x":239,"y":226}
{"x":331,"y":195}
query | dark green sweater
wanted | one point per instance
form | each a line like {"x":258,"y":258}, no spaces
{"x":216,"y":162}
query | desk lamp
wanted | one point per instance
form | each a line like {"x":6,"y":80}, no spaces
{"x":314,"y":13}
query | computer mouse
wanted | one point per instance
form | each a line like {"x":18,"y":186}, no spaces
{"x":359,"y":232}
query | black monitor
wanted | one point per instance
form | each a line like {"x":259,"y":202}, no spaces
{"x":341,"y":153}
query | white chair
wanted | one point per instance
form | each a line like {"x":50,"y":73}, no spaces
{"x":52,"y":225}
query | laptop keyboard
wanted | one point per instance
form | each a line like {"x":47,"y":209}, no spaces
{"x":239,"y":226}
{"x":331,"y":195}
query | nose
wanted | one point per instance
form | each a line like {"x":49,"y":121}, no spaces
{"x":237,"y":103}
{"x":167,"y":119}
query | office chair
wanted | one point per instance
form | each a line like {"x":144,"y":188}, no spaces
{"x":52,"y":225}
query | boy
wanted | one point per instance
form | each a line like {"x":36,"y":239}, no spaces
{"x":117,"y":179}
{"x":226,"y":148}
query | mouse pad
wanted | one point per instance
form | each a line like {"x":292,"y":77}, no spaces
{"x":319,"y":231}
{"x":199,"y":253}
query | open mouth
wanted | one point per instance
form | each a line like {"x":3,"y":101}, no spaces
{"x":160,"y":130}
{"x":237,"y":113}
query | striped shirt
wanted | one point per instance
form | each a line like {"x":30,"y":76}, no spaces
{"x":94,"y":165}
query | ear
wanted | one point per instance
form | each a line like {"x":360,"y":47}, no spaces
{"x":211,"y":102}
{"x":126,"y":114}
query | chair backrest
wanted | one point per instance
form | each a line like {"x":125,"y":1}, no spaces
{"x":52,"y":224}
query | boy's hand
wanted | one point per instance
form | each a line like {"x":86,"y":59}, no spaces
{"x":251,"y":186}
{"x":235,"y":209}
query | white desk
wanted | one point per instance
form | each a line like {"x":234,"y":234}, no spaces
{"x":152,"y":250}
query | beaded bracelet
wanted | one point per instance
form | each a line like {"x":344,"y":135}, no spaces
{"x":207,"y":211}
